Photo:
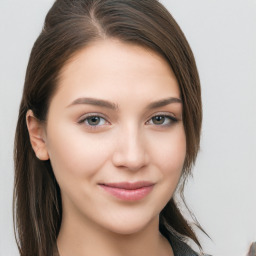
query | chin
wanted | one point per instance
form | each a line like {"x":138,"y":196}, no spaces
{"x":131,"y":225}
{"x":127,"y":229}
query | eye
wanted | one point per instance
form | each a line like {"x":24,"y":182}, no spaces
{"x":93,"y":121}
{"x":162,"y":120}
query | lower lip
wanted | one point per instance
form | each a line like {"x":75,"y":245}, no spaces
{"x":127,"y":194}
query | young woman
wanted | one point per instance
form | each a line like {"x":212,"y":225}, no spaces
{"x":109,"y":127}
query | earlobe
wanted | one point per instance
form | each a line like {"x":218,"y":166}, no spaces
{"x":36,"y":135}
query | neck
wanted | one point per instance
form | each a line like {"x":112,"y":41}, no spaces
{"x":84,"y":238}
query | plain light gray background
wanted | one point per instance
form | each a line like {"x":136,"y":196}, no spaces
{"x":222,"y":34}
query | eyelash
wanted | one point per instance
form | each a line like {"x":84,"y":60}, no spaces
{"x":171,"y":121}
{"x":92,"y":115}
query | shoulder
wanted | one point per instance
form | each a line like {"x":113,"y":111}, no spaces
{"x":180,"y":248}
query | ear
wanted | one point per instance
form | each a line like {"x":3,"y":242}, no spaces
{"x":37,"y":136}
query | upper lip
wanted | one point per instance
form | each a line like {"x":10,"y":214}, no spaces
{"x":129,"y":185}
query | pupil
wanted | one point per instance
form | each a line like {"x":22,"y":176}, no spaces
{"x":94,"y":120}
{"x":158,"y":119}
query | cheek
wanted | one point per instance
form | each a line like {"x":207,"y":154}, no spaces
{"x":170,"y":153}
{"x":73,"y":155}
{"x":168,"y":158}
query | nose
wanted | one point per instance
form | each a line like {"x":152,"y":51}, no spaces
{"x":130,"y":150}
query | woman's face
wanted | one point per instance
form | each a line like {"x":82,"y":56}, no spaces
{"x":115,"y":136}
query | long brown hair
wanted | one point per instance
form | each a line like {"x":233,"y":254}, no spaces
{"x":69,"y":26}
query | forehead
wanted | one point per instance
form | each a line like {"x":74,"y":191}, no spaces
{"x":111,"y":68}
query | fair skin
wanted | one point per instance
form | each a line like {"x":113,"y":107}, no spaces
{"x":137,"y":136}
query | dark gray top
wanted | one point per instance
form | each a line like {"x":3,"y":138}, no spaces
{"x":180,"y":248}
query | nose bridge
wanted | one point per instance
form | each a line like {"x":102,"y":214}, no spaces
{"x":130,"y":150}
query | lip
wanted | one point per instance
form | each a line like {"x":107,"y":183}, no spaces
{"x":127,"y":191}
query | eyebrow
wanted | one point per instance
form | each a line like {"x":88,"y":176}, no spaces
{"x":164,"y":102}
{"x":95,"y":102}
{"x":113,"y":106}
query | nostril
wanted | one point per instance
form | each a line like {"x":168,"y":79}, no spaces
{"x":132,"y":164}
{"x":130,"y":152}
{"x":132,"y":161}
